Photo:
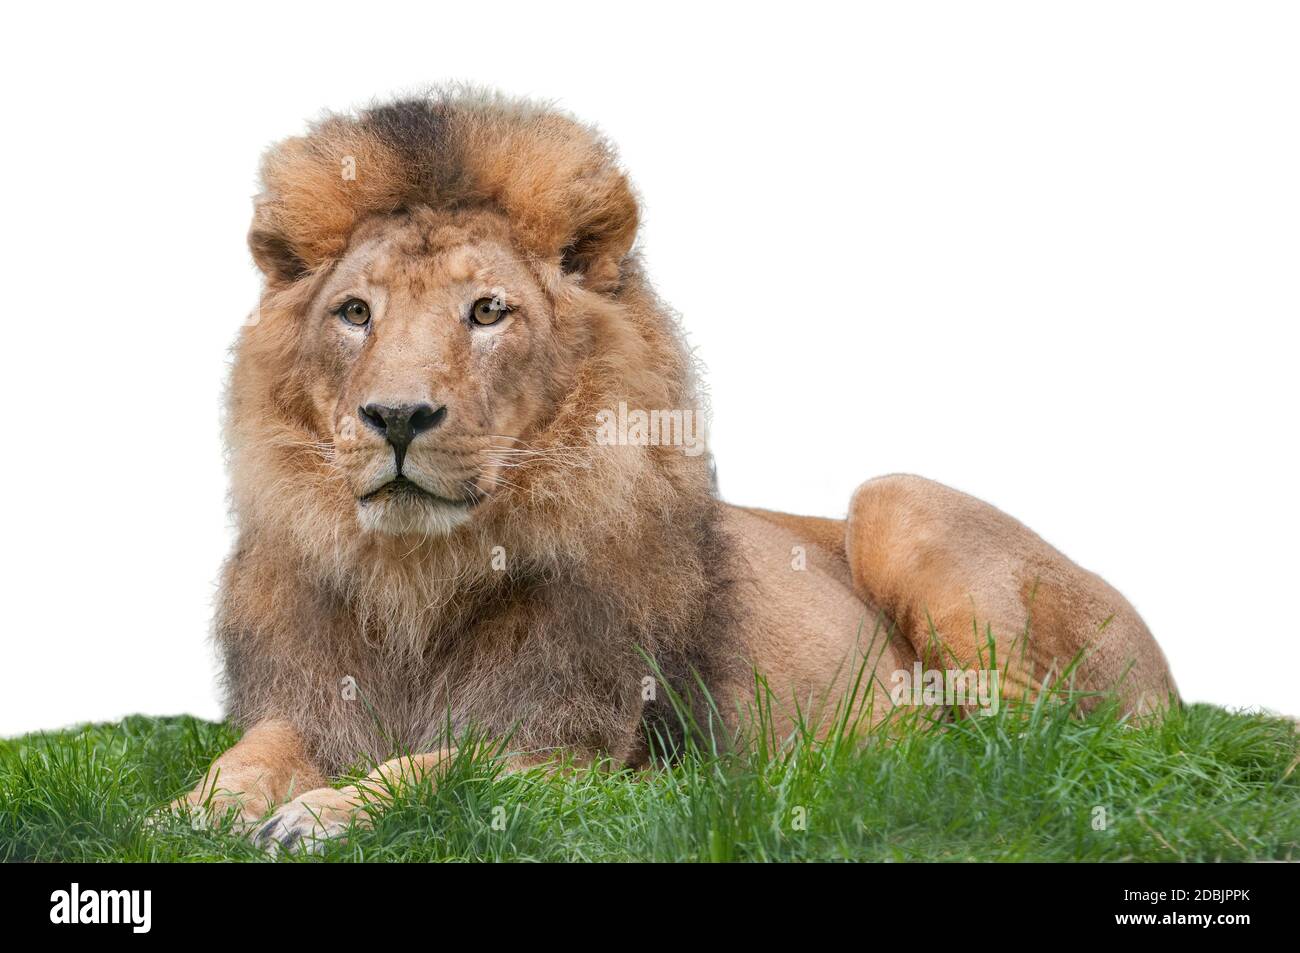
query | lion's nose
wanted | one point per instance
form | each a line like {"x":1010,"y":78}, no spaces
{"x":401,"y":425}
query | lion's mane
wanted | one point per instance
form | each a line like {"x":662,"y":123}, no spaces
{"x":612,"y":554}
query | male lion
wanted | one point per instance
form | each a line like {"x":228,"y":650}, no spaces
{"x":432,"y":538}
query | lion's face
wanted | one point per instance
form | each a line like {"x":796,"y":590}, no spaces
{"x":430,"y":353}
{"x":450,"y":301}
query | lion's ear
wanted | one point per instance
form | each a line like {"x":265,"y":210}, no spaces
{"x":606,"y":228}
{"x":273,"y":253}
{"x":557,"y":181}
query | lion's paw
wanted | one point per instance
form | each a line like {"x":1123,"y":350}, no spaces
{"x":307,"y":822}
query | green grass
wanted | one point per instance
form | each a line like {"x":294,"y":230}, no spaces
{"x":1200,"y":784}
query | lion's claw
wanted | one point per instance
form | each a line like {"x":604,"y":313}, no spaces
{"x":306,"y":823}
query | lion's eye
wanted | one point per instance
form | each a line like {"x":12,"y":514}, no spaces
{"x":488,"y":311}
{"x":355,"y":311}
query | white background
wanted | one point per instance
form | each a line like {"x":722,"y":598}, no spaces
{"x":1044,"y":253}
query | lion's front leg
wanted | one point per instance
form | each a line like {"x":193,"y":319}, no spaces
{"x":956,"y":574}
{"x":316,"y":816}
{"x":267,"y":765}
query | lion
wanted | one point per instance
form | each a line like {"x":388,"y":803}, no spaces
{"x":441,"y":527}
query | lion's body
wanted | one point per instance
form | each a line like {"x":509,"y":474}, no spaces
{"x":509,"y":572}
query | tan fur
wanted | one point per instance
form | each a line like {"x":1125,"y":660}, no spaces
{"x":266,"y":767}
{"x":541,"y":585}
{"x":951,"y":570}
{"x":809,"y":634}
